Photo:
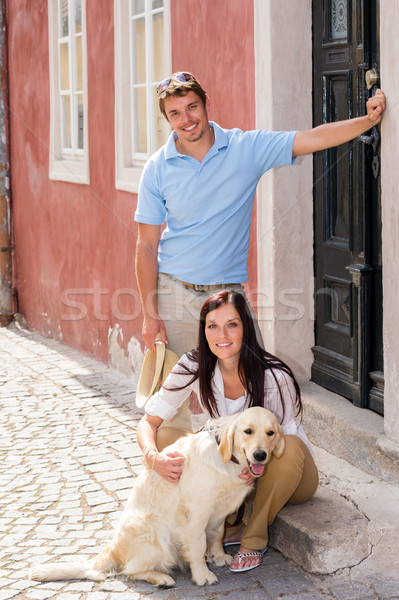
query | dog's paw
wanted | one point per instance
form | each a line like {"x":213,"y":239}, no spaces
{"x":154,"y":577}
{"x":222,"y":560}
{"x":165,"y":581}
{"x":205,"y":578}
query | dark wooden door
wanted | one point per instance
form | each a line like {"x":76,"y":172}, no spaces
{"x":348,"y":268}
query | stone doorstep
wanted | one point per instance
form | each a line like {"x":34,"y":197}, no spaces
{"x":354,"y":434}
{"x":329,"y":533}
{"x":325,"y":534}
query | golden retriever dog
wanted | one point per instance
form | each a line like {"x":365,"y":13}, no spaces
{"x":167,"y":524}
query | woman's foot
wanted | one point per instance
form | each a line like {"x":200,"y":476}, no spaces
{"x":247,"y":559}
{"x":234,"y":539}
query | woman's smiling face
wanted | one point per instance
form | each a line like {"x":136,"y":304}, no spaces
{"x":224,"y":331}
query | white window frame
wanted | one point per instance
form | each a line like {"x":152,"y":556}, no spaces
{"x":129,"y":164}
{"x":66,"y":164}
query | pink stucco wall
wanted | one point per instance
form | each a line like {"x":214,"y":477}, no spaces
{"x":215,"y":41}
{"x":75,"y":244}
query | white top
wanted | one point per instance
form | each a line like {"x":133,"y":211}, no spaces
{"x":165,"y":403}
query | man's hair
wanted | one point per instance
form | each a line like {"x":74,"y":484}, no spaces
{"x":181,"y":88}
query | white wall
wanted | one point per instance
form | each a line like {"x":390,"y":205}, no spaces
{"x":283,"y":71}
{"x":389,"y":49}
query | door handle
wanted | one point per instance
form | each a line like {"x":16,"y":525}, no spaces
{"x":371,"y":77}
{"x":373,"y":140}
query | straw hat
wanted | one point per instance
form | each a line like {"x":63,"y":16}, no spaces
{"x":156,"y":367}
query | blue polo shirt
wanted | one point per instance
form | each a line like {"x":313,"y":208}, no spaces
{"x":207,"y":206}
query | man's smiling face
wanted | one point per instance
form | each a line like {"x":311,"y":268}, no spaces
{"x":187,"y":116}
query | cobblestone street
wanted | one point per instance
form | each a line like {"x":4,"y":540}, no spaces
{"x":69,"y":458}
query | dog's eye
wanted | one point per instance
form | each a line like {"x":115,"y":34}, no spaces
{"x":248,"y":431}
{"x":270,"y":433}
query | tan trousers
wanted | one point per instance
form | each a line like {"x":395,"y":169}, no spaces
{"x":290,"y":479}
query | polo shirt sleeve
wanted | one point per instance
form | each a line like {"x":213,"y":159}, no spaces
{"x":273,"y":148}
{"x":150,"y":206}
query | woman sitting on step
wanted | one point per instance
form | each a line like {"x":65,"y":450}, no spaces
{"x":230,"y":372}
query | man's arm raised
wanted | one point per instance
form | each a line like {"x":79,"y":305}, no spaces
{"x":333,"y":134}
{"x":147,"y":278}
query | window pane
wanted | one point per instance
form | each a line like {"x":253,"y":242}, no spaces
{"x":66,"y":121}
{"x":157,"y":4}
{"x":139,"y":120}
{"x":161,"y":127}
{"x":80,"y":121}
{"x":64,"y":20}
{"x":158,"y":48}
{"x":138,"y":33}
{"x":339,"y":19}
{"x":137,"y":7}
{"x":79,"y":68}
{"x":64,"y":66}
{"x":78,"y":16}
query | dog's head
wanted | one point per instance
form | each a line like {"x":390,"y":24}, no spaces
{"x":252,"y":437}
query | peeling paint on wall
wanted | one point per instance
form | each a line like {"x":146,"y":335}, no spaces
{"x":136,"y":356}
{"x":129,"y":365}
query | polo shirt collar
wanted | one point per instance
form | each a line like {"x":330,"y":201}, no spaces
{"x":221,"y":138}
{"x":221,"y":141}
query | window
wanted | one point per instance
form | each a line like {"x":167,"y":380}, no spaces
{"x":68,"y":91}
{"x":142,"y":59}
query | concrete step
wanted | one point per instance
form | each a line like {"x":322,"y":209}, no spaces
{"x":353,"y":519}
{"x":354,"y":434}
{"x":323,"y":535}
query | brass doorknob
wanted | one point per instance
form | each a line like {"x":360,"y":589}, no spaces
{"x":371,"y":78}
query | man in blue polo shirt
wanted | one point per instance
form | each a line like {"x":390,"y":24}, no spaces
{"x":202,"y":183}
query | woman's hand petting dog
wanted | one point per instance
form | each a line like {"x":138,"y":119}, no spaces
{"x":169,"y":465}
{"x":247,"y":476}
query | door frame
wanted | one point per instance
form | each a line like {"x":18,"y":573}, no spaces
{"x":350,"y":373}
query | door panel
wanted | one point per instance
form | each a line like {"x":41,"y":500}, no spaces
{"x":348,"y":275}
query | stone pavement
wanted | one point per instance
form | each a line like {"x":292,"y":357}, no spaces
{"x":69,"y":457}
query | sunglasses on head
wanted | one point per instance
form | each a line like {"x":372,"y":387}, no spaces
{"x":183,"y":77}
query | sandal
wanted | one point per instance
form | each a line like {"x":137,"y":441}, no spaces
{"x":259,"y":554}
{"x":227,"y":544}
{"x":234,"y":542}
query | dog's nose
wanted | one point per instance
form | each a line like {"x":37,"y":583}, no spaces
{"x":259,"y":455}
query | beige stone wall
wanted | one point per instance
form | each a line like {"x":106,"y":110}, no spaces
{"x":283,"y":69}
{"x":389,"y":48}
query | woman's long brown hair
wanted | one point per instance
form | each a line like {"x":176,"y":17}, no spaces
{"x":253,"y":362}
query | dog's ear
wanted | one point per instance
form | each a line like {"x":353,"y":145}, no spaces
{"x":226,"y":442}
{"x":280,"y":447}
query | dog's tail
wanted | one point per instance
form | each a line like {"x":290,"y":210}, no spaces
{"x":61,"y":571}
{"x":95,"y":569}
